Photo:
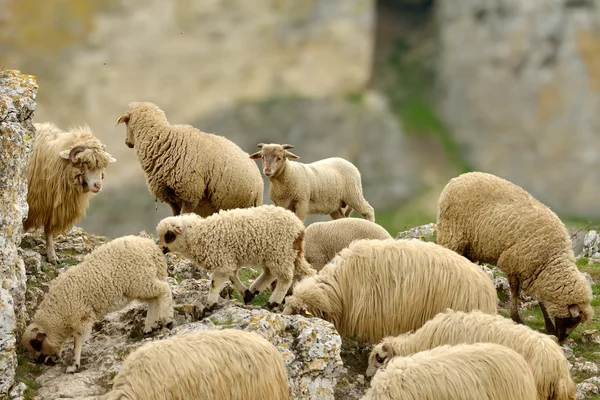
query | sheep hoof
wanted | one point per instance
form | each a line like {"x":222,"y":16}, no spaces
{"x":272,"y":306}
{"x":169,"y":325}
{"x":249,"y":296}
{"x":72,"y":369}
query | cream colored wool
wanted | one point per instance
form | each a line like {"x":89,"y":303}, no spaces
{"x":226,"y":364}
{"x":267,"y":236}
{"x":481,"y":371}
{"x":545,"y":357}
{"x":64,"y":169}
{"x":491,"y":220}
{"x":322,"y":187}
{"x":188,"y":169}
{"x":106,"y":280}
{"x":325,"y":239}
{"x":377,"y":288}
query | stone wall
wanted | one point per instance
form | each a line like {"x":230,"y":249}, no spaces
{"x":17,"y":103}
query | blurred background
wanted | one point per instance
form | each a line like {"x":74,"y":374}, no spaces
{"x":413,"y":92}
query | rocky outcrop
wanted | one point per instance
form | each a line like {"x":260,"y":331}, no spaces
{"x":520,"y":87}
{"x":17,"y":103}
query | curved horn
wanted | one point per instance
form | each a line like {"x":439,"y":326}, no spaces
{"x":75,"y":151}
{"x":260,"y":145}
{"x":287,"y":146}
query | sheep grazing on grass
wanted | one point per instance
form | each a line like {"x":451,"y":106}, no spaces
{"x":65,"y":169}
{"x":481,"y":371}
{"x":188,"y":169}
{"x":491,"y":220}
{"x":206,"y":365}
{"x":377,"y":288}
{"x":107,"y":279}
{"x":545,"y":357}
{"x":325,"y":239}
{"x":267,"y":236}
{"x":331,"y":186}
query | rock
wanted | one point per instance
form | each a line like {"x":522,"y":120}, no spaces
{"x":424,"y":232}
{"x":590,"y":245}
{"x":591,"y":336}
{"x":588,"y":388}
{"x":17,"y":392}
{"x":17,"y":104}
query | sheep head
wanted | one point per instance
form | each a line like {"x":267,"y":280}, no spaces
{"x":148,"y":113}
{"x":170,"y":231}
{"x":379,"y":356}
{"x":578,"y":314}
{"x":274,"y":156}
{"x":36,"y":341}
{"x":88,"y":163}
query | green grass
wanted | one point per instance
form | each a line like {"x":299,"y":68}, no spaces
{"x":27,"y":372}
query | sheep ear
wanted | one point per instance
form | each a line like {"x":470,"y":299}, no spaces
{"x":290,"y":154}
{"x":574,"y":310}
{"x":287,"y":146}
{"x":111,"y":159}
{"x":386,"y":347}
{"x":122,"y":118}
{"x":260,"y":145}
{"x":178,"y":230}
{"x":256,"y":155}
{"x":64,"y":154}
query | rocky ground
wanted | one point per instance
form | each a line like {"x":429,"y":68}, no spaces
{"x":319,"y":366}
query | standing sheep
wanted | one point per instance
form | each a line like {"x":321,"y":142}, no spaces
{"x":325,"y":239}
{"x":267,"y":236}
{"x":206,"y":365}
{"x":481,"y":371}
{"x":65,"y":169}
{"x":322,"y":187}
{"x":188,"y":169}
{"x":107,"y":279}
{"x":545,"y":357}
{"x":377,"y":288}
{"x":491,"y":220}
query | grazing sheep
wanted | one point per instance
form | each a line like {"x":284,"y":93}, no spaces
{"x":544,"y":356}
{"x":481,"y":371}
{"x":323,"y":187}
{"x":188,"y":169}
{"x":107,"y":279}
{"x":491,"y":220}
{"x":377,"y":288}
{"x":267,"y":236}
{"x":323,"y":240}
{"x":65,"y":169}
{"x":205,"y":365}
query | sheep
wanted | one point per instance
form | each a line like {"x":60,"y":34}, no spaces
{"x":188,"y":169}
{"x":108,"y":278}
{"x":65,"y":169}
{"x":377,"y":288}
{"x":267,"y":236}
{"x":544,"y":356}
{"x":205,"y":365}
{"x":491,"y":220}
{"x":324,"y":187}
{"x":323,"y":240}
{"x":480,"y":371}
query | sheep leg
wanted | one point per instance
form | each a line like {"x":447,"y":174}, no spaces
{"x":364,"y":208}
{"x":348,"y":211}
{"x":337,"y":214}
{"x":176,"y":208}
{"x":160,"y":303}
{"x":515,"y":289}
{"x":258,"y":285}
{"x":284,"y":281}
{"x":187,"y":208}
{"x":218,"y":279}
{"x":50,"y":254}
{"x":547,"y":320}
{"x":301,"y":210}
{"x":78,"y":339}
{"x":239,"y":285}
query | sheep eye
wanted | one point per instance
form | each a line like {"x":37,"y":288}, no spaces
{"x":169,"y":237}
{"x":278,"y":158}
{"x":103,"y":175}
{"x":379,"y":359}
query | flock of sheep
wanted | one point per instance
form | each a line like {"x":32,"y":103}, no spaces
{"x":429,"y":311}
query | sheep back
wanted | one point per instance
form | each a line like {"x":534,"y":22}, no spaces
{"x":481,"y":371}
{"x":206,"y":365}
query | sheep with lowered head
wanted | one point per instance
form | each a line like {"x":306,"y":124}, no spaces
{"x":267,"y":236}
{"x":107,"y":279}
{"x":378,"y":288}
{"x":65,"y":169}
{"x":188,"y":169}
{"x":545,"y":357}
{"x":325,"y":239}
{"x":205,"y":365}
{"x":480,"y":371}
{"x":491,"y":220}
{"x":332,"y":186}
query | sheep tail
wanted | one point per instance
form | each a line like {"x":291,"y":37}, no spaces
{"x":301,"y":267}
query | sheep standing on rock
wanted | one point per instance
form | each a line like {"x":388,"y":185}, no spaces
{"x":480,"y":371}
{"x":267,"y":236}
{"x":545,"y":357}
{"x":325,"y":239}
{"x":205,"y":365}
{"x":323,"y":187}
{"x":377,"y":288}
{"x":65,"y":169}
{"x":107,"y":279}
{"x":190,"y":170}
{"x":491,"y":220}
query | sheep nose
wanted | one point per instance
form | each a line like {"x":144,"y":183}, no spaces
{"x":96,"y":187}
{"x":165,"y":250}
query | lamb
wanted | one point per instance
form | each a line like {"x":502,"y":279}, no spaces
{"x":378,"y":288}
{"x":210,"y":364}
{"x":188,"y":169}
{"x":108,"y":278}
{"x":65,"y":169}
{"x":481,"y":371}
{"x":267,"y":236}
{"x":545,"y":357}
{"x":491,"y":220}
{"x":323,"y":240}
{"x":331,"y":186}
